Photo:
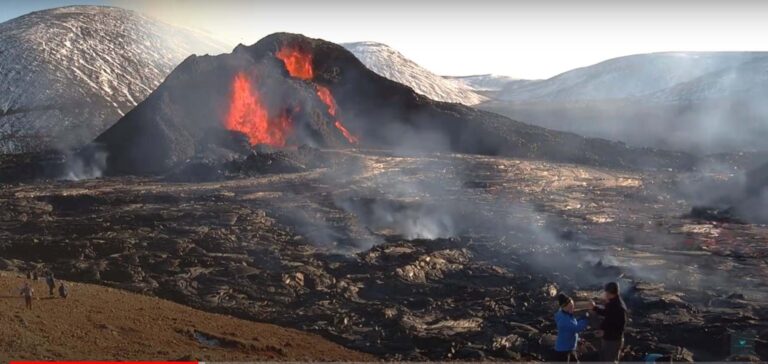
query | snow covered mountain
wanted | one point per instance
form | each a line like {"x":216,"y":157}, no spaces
{"x":389,"y":63}
{"x":698,"y":102}
{"x":747,"y":80}
{"x":626,"y":77}
{"x":487,"y":82}
{"x":67,"y":74}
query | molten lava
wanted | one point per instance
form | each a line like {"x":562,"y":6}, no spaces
{"x":249,"y":116}
{"x":299,"y":65}
{"x":325,"y":96}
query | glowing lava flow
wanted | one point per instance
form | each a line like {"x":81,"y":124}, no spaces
{"x":249,"y":116}
{"x":325,"y":95}
{"x":299,"y":65}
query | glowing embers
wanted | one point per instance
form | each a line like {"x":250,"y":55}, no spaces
{"x":299,"y":65}
{"x":248,"y":115}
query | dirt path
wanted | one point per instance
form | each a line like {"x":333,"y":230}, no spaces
{"x":100,"y":323}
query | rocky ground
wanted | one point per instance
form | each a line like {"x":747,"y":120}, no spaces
{"x":97,"y":322}
{"x":435,"y":256}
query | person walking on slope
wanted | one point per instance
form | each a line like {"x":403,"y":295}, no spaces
{"x":27,"y":291}
{"x":51,"y":282}
{"x":612,"y":327}
{"x":568,"y":329}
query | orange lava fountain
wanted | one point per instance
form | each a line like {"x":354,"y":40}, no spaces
{"x":249,"y":116}
{"x":298,"y":63}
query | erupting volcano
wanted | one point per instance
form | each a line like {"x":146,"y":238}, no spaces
{"x":299,"y":65}
{"x":248,"y":115}
{"x":288,"y":89}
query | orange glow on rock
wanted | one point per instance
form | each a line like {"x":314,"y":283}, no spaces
{"x":249,"y":116}
{"x":325,"y":96}
{"x":298,"y":63}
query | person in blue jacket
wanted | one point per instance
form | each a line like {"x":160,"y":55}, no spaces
{"x":568,"y":329}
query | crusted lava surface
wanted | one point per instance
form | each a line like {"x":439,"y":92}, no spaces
{"x":426,"y":256}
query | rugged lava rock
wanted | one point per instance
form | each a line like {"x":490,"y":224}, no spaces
{"x":313,"y":249}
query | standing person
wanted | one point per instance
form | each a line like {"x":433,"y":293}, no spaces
{"x":612,"y":327}
{"x":27,"y":292}
{"x":63,"y":291}
{"x":51,"y":282}
{"x":568,"y":329}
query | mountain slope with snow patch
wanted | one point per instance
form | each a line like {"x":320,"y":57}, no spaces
{"x":487,"y":82}
{"x":67,"y":74}
{"x":711,"y":102}
{"x":391,"y":64}
{"x":625,"y":77}
{"x":748,"y":80}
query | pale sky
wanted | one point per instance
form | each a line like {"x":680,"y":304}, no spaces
{"x":526,"y":39}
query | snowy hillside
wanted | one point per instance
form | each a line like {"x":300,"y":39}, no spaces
{"x":389,"y":63}
{"x":487,"y":82}
{"x":625,"y":77}
{"x":67,"y":74}
{"x":696,"y":102}
{"x":748,"y":80}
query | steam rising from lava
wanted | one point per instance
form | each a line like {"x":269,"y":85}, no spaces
{"x":247,"y":114}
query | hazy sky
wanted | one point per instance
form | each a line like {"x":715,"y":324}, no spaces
{"x":528,"y":39}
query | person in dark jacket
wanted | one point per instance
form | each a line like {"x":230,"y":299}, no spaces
{"x":51,"y":282}
{"x":568,"y":329}
{"x":612,"y":327}
{"x":63,"y":291}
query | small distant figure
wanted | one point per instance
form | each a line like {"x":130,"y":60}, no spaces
{"x":34,"y":275}
{"x":63,"y":291}
{"x":612,"y":327}
{"x":27,"y":291}
{"x":51,"y":281}
{"x":29,"y":274}
{"x":568,"y":329}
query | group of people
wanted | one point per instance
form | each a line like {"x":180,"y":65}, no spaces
{"x":611,"y":330}
{"x":28,"y":292}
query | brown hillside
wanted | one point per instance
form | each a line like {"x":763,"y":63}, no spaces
{"x":100,"y":323}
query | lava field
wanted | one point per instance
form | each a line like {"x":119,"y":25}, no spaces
{"x":406,"y":256}
{"x":287,"y":183}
